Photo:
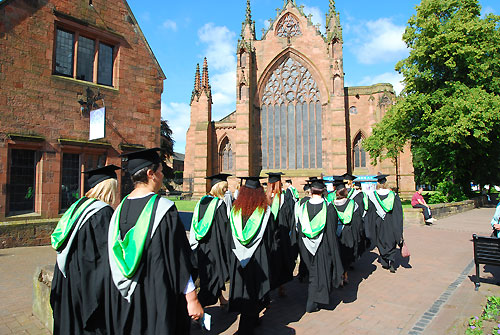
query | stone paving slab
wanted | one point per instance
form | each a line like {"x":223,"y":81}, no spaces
{"x":374,"y":302}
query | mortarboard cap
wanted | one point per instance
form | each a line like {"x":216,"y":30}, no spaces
{"x":317,"y":183}
{"x":382,"y":178}
{"x":138,"y":160}
{"x":289,"y":181}
{"x":274,"y":176}
{"x":348,"y":176}
{"x":217,"y":178}
{"x":252,"y":182}
{"x":95,"y":176}
{"x":307,"y":187}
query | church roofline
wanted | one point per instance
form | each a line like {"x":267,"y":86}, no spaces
{"x":372,"y":89}
{"x":225,"y":119}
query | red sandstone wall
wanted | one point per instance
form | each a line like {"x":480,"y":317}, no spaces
{"x":34,"y":101}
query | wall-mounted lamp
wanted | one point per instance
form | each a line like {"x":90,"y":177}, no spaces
{"x":90,"y":101}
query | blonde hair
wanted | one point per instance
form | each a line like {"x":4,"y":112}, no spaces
{"x":104,"y":191}
{"x":218,"y":189}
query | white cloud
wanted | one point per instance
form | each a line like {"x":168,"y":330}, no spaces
{"x":221,"y":57}
{"x":178,"y":115}
{"x":170,"y":25}
{"x":317,"y":16}
{"x":379,"y":41}
{"x":393,"y":78}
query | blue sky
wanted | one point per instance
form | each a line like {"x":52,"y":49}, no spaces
{"x":182,"y":33}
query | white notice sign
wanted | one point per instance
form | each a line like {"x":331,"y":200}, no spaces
{"x":97,"y":128}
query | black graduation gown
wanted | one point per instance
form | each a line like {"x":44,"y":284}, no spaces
{"x":350,"y":237}
{"x":364,"y":242}
{"x":387,"y":233}
{"x":77,"y":301}
{"x":283,"y":253}
{"x":210,"y":256}
{"x":249,"y":285}
{"x":325,"y":267}
{"x":158,"y":304}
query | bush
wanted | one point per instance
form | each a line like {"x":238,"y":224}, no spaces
{"x":437,"y":198}
{"x":451,"y":191}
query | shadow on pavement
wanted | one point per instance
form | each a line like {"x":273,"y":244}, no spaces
{"x":493,"y":278}
{"x":363,"y":268}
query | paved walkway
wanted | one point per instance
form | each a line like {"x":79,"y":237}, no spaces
{"x":433,"y":293}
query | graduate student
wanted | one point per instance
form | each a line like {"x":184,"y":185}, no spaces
{"x":348,"y":228}
{"x":290,"y":191}
{"x":317,"y":224}
{"x":302,"y":275}
{"x":207,"y":239}
{"x":284,"y":251}
{"x":80,"y":239}
{"x":152,"y":291}
{"x":385,"y":216}
{"x":250,"y":240}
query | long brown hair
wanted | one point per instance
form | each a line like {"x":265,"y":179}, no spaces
{"x":249,"y":199}
{"x":273,"y":189}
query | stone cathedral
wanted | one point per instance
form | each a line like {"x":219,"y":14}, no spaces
{"x":293,"y":112}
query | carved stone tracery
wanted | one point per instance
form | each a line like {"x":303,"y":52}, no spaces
{"x":288,"y":26}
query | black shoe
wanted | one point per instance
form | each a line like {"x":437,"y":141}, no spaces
{"x":392,"y":269}
{"x":312,"y":307}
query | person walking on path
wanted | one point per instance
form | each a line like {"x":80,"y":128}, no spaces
{"x":151,"y":291}
{"x":208,"y":230}
{"x":249,"y":242}
{"x":284,"y":251}
{"x":418,"y":201}
{"x":80,"y":239}
{"x":385,"y":222}
{"x":318,"y":245}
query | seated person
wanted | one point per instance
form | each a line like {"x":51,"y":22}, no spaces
{"x":495,"y":222}
{"x":418,"y":201}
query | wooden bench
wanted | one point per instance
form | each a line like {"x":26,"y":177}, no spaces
{"x":486,"y":251}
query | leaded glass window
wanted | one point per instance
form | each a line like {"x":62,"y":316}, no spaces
{"x":359,"y":153}
{"x":226,"y":154}
{"x":105,"y":66}
{"x":64,"y":53}
{"x":70,"y":183}
{"x":21,"y":187}
{"x":288,"y":26}
{"x":85,"y":61}
{"x":291,"y":115}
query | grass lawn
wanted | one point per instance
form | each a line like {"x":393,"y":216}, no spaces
{"x":184,"y":205}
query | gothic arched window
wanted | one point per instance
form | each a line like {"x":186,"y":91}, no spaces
{"x":226,"y":155}
{"x":291,"y":119}
{"x":358,"y":152}
{"x":288,"y":26}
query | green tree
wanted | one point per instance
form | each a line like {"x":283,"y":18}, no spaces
{"x":450,"y":108}
{"x":167,"y":141}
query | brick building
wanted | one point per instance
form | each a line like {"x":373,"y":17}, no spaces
{"x":293,"y":112}
{"x":51,"y":52}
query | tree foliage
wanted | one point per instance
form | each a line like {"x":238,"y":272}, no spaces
{"x":450,"y":108}
{"x":167,"y":141}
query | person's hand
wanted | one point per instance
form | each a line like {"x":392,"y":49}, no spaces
{"x":194,"y":308}
{"x":496,"y":226}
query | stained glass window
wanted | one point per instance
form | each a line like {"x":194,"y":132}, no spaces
{"x":291,"y":106}
{"x":358,"y":152}
{"x":288,"y":26}
{"x":226,"y":154}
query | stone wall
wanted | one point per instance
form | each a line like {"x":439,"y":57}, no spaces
{"x":42,"y":283}
{"x":27,"y":233}
{"x":439,"y":211}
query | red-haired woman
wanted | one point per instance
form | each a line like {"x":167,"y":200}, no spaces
{"x":249,"y":244}
{"x":283,"y":255}
{"x":317,"y":223}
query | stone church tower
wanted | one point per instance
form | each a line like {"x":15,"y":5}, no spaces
{"x":293,"y":112}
